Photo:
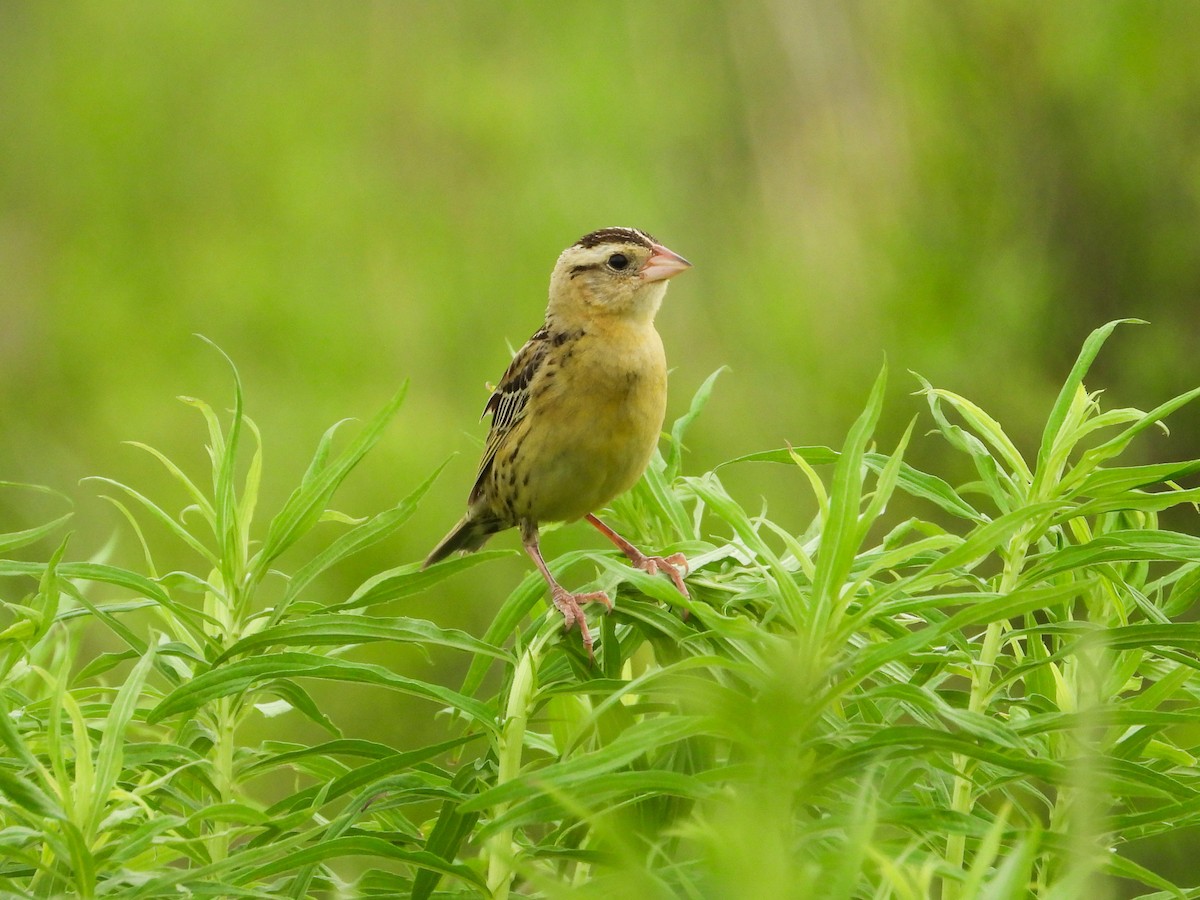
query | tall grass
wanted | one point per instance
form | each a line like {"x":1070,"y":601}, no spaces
{"x":994,"y":698}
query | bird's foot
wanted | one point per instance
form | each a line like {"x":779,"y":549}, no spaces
{"x":570,"y":605}
{"x":675,"y":566}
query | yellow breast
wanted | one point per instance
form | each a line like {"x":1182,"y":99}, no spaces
{"x":593,"y":424}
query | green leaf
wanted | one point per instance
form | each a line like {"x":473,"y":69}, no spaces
{"x":1117,"y":445}
{"x":411,"y":578}
{"x":674,"y":459}
{"x":395,"y":773}
{"x":236,"y":678}
{"x":300,"y":700}
{"x":1011,"y":878}
{"x":1129,"y":501}
{"x":1104,"y":481}
{"x":112,"y":742}
{"x":984,"y":539}
{"x":1118,"y":546}
{"x":225,"y":507}
{"x":1004,"y":488}
{"x":138,"y":584}
{"x":14,"y":540}
{"x":196,"y":495}
{"x":104,"y":662}
{"x":45,"y":605}
{"x":816,"y":456}
{"x":635,"y":741}
{"x":250,"y":485}
{"x":1122,"y":867}
{"x":870,"y":659}
{"x":27,"y":796}
{"x":1066,"y":395}
{"x":654,"y":489}
{"x":781,"y":584}
{"x":910,"y":480}
{"x":83,"y":864}
{"x":338,"y":630}
{"x":357,"y":748}
{"x":106,"y":614}
{"x":304,"y":507}
{"x":986,"y":428}
{"x":599,"y":792}
{"x":162,"y":516}
{"x":840,"y":532}
{"x":342,"y":847}
{"x":451,"y":829}
{"x":370,"y":532}
{"x":884,"y":487}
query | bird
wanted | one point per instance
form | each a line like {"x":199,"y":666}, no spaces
{"x":578,"y":413}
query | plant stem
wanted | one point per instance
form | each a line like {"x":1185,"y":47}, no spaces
{"x":511,"y":741}
{"x":961,"y":799}
{"x":223,"y":769}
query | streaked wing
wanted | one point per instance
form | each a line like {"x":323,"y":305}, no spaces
{"x":510,"y":400}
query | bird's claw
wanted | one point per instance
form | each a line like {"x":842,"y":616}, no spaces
{"x":675,"y":566}
{"x":570,"y":606}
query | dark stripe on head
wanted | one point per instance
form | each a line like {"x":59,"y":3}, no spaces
{"x":575,"y":270}
{"x":616,"y":236}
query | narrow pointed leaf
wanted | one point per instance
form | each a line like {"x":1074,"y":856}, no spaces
{"x":1066,"y":395}
{"x":304,"y":507}
{"x":236,"y":678}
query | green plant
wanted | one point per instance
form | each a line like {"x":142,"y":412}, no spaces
{"x":137,"y":783}
{"x":994,"y":697}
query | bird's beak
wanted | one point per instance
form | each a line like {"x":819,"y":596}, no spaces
{"x":663,"y":264}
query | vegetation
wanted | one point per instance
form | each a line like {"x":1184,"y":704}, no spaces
{"x":996,"y":697}
{"x":344,"y":195}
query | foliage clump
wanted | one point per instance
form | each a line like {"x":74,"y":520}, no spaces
{"x":991,"y":698}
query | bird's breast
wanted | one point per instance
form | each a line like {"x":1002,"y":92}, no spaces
{"x":602,"y":412}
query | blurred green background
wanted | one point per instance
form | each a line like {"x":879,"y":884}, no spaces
{"x":343,"y":196}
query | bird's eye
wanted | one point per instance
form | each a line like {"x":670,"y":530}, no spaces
{"x":618,"y":261}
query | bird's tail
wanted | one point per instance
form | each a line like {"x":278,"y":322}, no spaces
{"x":468,"y":535}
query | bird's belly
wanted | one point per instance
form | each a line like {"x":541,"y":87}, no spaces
{"x":600,"y":445}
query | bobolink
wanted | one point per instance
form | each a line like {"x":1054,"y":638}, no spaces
{"x":578,"y":413}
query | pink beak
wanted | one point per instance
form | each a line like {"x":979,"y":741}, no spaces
{"x":663,"y":264}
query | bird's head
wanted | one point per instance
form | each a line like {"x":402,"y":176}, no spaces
{"x":620,"y":272}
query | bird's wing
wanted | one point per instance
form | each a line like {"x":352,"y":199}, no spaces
{"x":510,"y":401}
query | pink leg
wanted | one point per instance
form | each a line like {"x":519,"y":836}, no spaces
{"x":566,"y":602}
{"x":671,"y":565}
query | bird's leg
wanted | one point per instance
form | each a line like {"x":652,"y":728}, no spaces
{"x":566,"y":602}
{"x":675,"y":565}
